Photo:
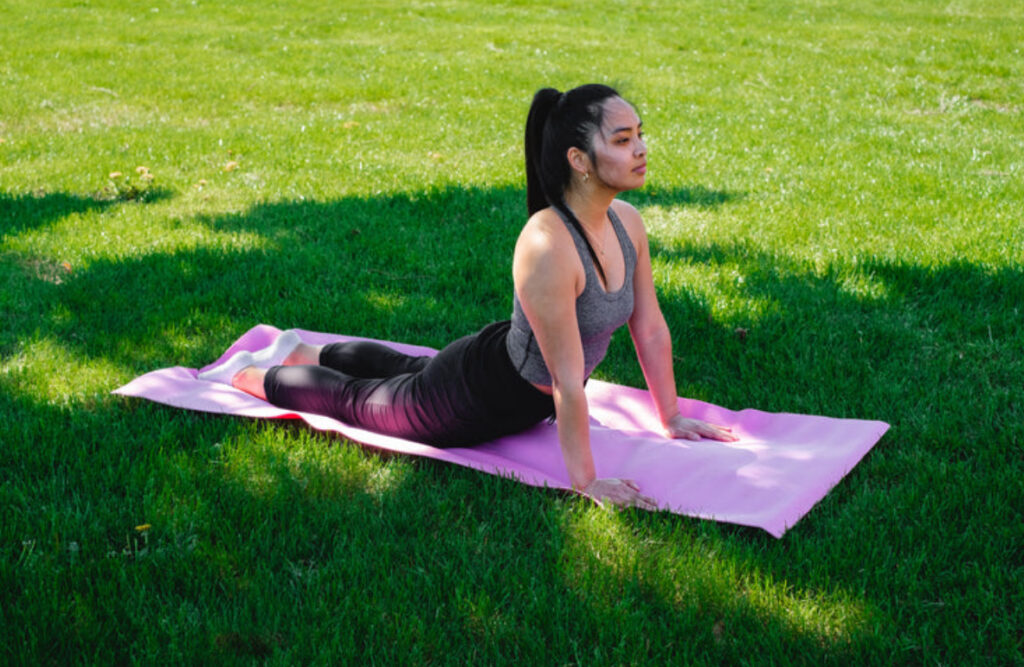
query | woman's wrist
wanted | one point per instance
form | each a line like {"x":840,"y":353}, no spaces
{"x":583,"y":484}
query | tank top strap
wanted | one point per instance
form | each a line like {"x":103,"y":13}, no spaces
{"x":626,"y":243}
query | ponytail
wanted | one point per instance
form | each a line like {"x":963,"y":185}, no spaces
{"x":557,"y":122}
{"x":543,"y":102}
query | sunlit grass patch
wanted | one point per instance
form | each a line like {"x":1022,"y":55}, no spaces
{"x":47,"y":371}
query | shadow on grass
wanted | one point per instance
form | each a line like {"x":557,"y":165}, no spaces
{"x":423,"y":267}
{"x":862,"y":340}
{"x":854,"y":339}
{"x":19,"y":213}
{"x":694,"y":196}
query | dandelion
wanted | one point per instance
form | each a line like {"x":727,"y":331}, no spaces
{"x":141,"y":170}
{"x":143,"y":527}
{"x":114,"y":175}
{"x":231,"y":166}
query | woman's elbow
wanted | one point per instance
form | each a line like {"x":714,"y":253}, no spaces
{"x":652,"y":334}
{"x":567,"y":390}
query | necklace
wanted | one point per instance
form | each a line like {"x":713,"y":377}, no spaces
{"x":604,"y":239}
{"x":588,"y":235}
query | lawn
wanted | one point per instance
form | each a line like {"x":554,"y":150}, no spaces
{"x":834,"y":204}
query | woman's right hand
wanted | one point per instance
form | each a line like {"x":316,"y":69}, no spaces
{"x":619,"y":492}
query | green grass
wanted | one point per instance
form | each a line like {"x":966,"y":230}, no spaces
{"x":843,"y":181}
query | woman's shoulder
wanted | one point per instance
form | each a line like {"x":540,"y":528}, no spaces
{"x":545,"y":250}
{"x":544,"y":232}
{"x":627,"y":213}
{"x":546,"y":218}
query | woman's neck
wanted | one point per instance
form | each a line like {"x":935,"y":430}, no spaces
{"x":590,"y":208}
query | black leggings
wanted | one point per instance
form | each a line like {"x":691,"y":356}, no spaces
{"x":467,"y":394}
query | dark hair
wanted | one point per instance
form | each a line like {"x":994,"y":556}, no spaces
{"x":557,"y":122}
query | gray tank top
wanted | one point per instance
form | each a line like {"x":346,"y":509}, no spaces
{"x":599,"y":313}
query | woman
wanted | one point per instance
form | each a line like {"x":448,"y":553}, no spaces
{"x":581,"y":269}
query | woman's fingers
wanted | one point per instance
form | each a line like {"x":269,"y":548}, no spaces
{"x":645,"y":502}
{"x":718,"y":432}
{"x":620,"y":492}
{"x":694,"y":429}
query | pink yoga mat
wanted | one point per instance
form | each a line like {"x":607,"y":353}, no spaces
{"x":781,"y":466}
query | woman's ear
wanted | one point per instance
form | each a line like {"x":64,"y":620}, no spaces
{"x":578,"y":160}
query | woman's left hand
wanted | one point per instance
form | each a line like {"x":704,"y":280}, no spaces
{"x":694,"y":429}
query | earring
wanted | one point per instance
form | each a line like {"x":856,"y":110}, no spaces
{"x":586,"y":176}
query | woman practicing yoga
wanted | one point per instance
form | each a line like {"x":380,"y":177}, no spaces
{"x":581,"y":269}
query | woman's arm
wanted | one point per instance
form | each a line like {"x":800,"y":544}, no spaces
{"x":653,"y":341}
{"x":548,"y":277}
{"x":546,"y":283}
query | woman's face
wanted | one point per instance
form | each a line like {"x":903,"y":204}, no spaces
{"x":618,"y":147}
